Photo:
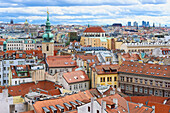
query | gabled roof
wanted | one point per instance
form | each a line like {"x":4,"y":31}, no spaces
{"x":24,"y":88}
{"x":81,"y":96}
{"x":94,"y":30}
{"x":106,"y":69}
{"x":60,"y":61}
{"x":75,"y":76}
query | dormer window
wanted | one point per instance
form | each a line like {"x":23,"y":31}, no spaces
{"x":61,"y":108}
{"x":46,"y":110}
{"x":53,"y":109}
{"x":68,"y":106}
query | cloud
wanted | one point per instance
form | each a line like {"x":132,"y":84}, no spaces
{"x":84,"y":12}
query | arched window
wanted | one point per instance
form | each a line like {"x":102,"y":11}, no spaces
{"x":47,"y":48}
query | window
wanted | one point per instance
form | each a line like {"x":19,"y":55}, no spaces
{"x":141,"y":81}
{"x":127,"y":87}
{"x":140,"y":90}
{"x":97,"y":111}
{"x":150,"y":91}
{"x":4,"y":68}
{"x":4,"y":62}
{"x":70,"y":87}
{"x":136,"y":89}
{"x":15,"y":82}
{"x":146,"y":81}
{"x":51,"y":71}
{"x":109,"y":79}
{"x":47,"y":48}
{"x":85,"y":85}
{"x":130,"y":88}
{"x":11,"y":62}
{"x":145,"y":91}
{"x":115,"y":78}
{"x":167,"y":84}
{"x":131,"y":80}
{"x":156,"y":92}
{"x":88,"y":109}
{"x":136,"y":80}
{"x":151,"y":82}
{"x":122,"y":78}
{"x":122,"y":86}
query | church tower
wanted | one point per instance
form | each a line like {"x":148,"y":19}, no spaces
{"x":48,"y":42}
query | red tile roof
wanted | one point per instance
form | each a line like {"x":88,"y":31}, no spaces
{"x":152,"y":101}
{"x":145,"y":69}
{"x":14,"y":70}
{"x":86,"y":95}
{"x":75,"y":76}
{"x":24,"y":88}
{"x":106,"y":69}
{"x":94,"y":30}
{"x":60,"y":61}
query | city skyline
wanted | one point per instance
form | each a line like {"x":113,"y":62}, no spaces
{"x":83,"y":12}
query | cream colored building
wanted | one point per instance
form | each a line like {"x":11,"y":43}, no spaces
{"x":137,"y":47}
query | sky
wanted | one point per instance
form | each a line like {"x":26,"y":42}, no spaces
{"x":83,"y":12}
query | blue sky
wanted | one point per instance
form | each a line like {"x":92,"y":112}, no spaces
{"x":94,"y":12}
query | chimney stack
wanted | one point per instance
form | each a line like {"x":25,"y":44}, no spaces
{"x":116,"y":102}
{"x":103,"y":106}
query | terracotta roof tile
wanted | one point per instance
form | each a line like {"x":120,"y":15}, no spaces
{"x":60,"y":61}
{"x":95,"y":30}
{"x":75,"y":76}
{"x":145,"y":69}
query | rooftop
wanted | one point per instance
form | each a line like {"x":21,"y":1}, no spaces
{"x":75,"y":76}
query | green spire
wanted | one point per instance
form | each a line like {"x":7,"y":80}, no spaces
{"x":48,"y":36}
{"x":88,"y":25}
{"x":47,"y":15}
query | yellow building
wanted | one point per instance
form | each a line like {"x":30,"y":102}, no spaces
{"x":104,"y":75}
{"x":95,"y":37}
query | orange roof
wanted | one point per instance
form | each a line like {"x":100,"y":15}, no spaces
{"x":151,"y":101}
{"x":60,"y":61}
{"x":145,"y":68}
{"x":92,"y":58}
{"x":86,"y":95}
{"x":75,"y":76}
{"x":14,"y":71}
{"x":106,"y":69}
{"x":94,"y":30}
{"x":24,"y":88}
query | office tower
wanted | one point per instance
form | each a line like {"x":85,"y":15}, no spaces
{"x":135,"y":24}
{"x":143,"y":23}
{"x":147,"y":25}
{"x":129,"y":23}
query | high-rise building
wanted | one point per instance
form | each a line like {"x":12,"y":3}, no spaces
{"x":135,"y":24}
{"x":11,"y":22}
{"x":143,"y":23}
{"x":147,"y":24}
{"x":129,"y":23}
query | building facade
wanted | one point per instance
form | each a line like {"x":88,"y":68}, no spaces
{"x":144,"y":79}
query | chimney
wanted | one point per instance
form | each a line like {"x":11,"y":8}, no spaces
{"x":116,"y":102}
{"x":103,"y":106}
{"x":153,"y":107}
{"x":140,"y":105}
{"x":92,"y":104}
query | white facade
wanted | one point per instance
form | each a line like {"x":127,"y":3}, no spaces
{"x":1,"y":73}
{"x":6,"y":66}
{"x":17,"y":81}
{"x":1,"y":47}
{"x":79,"y":86}
{"x":92,"y":107}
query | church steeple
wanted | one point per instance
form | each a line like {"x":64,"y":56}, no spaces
{"x":48,"y":36}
